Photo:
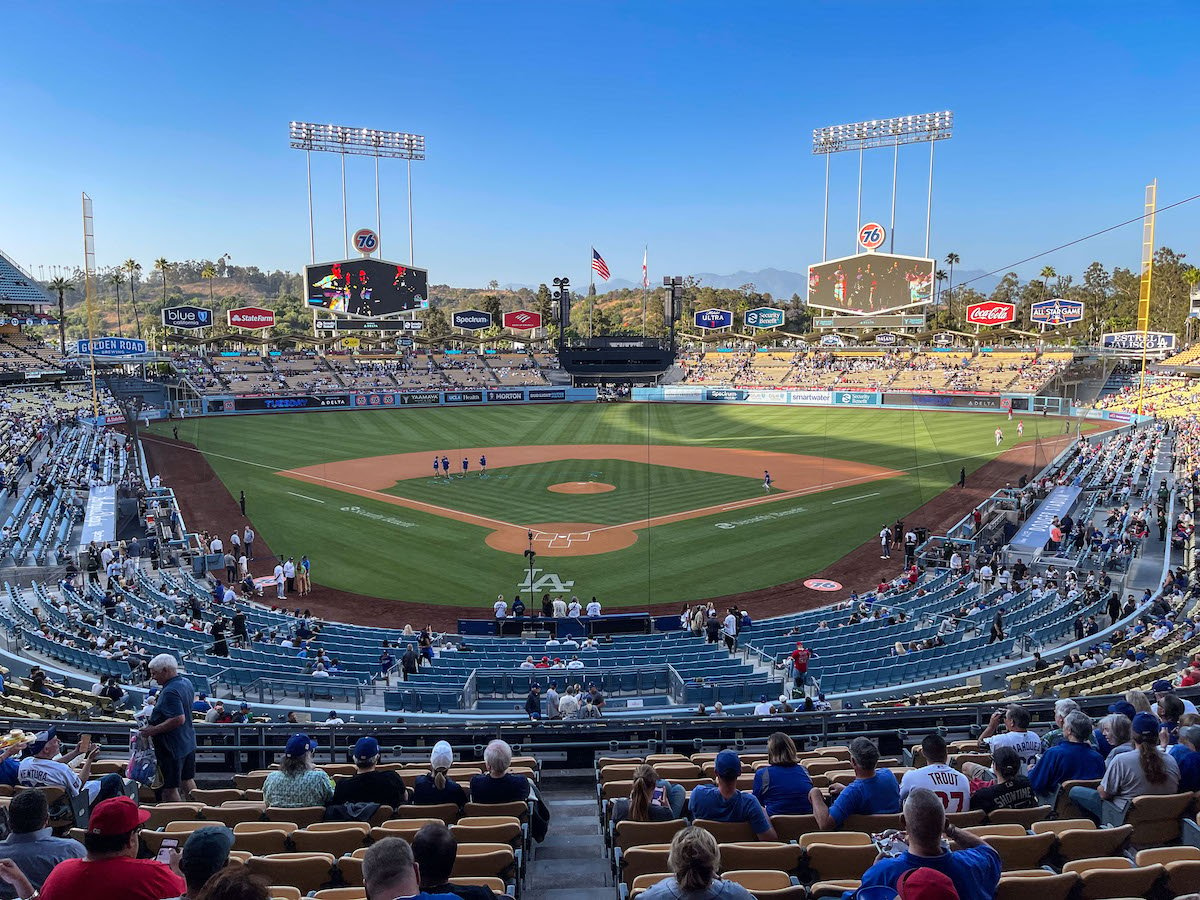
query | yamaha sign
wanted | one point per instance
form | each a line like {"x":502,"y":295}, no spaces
{"x":187,"y":317}
{"x":471,"y":319}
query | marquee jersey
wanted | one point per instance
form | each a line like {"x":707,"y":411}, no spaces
{"x":951,"y":786}
{"x":1027,"y":744}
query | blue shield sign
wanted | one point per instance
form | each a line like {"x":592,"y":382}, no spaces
{"x":187,"y":317}
{"x":1056,"y":311}
{"x":713,"y":318}
{"x":764,"y":317}
{"x":111,"y":346}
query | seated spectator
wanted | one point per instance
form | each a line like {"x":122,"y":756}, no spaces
{"x":1071,"y":759}
{"x":30,"y":843}
{"x":234,"y":883}
{"x":43,"y":767}
{"x":1016,"y":735}
{"x":205,"y":854}
{"x":1188,"y":759}
{"x":723,"y":802}
{"x":1062,"y":709}
{"x":1149,"y":770}
{"x":783,"y":784}
{"x":297,"y":782}
{"x":1008,"y":790}
{"x":434,"y":850}
{"x":950,"y":785}
{"x":14,"y":744}
{"x":694,"y":861}
{"x":1115,"y":735}
{"x":436,"y":787}
{"x":389,"y":870}
{"x":973,"y":870}
{"x":111,"y":869}
{"x":498,"y":785}
{"x":370,"y":784}
{"x":872,"y":792}
{"x":647,"y":801}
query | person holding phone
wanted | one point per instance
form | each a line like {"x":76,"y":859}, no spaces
{"x":44,"y":767}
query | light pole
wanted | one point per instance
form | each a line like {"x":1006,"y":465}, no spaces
{"x":562,"y":296}
{"x":531,"y":556}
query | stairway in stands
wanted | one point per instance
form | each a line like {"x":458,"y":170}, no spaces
{"x":571,"y":863}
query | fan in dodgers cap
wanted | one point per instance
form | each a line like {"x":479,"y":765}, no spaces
{"x":298,"y":782}
{"x":370,"y":784}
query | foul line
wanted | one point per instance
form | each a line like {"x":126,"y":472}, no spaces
{"x":852,"y":499}
{"x":305,"y":497}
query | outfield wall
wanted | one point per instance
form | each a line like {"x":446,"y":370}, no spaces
{"x":225,"y":405}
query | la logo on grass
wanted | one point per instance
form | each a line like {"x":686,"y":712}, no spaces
{"x":546,"y":584}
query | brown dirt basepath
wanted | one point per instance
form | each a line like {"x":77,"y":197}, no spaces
{"x":582,"y":487}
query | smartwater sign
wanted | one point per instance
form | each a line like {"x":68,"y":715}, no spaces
{"x":111,"y":346}
{"x":764,"y":317}
{"x":187,"y":317}
{"x":713,"y":318}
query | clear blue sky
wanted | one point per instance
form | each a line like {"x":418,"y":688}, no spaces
{"x":555,"y":125}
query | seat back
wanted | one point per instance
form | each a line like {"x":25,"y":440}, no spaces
{"x":776,"y":855}
{"x":726,"y":832}
{"x":1023,"y":851}
{"x":836,"y":838}
{"x":445,"y":812}
{"x":338,"y":841}
{"x":871,"y":824}
{"x":307,"y":871}
{"x":517,"y":808}
{"x":216,"y":796}
{"x":1040,"y":883}
{"x":1063,"y":807}
{"x":828,"y":861}
{"x":1155,"y":819}
{"x":1023,"y":817}
{"x":284,"y":892}
{"x":302,"y":816}
{"x":755,"y":880}
{"x":1101,"y":883}
{"x":1166,"y":855}
{"x":484,"y":859}
{"x":230,"y":816}
{"x":793,"y":827}
{"x":344,"y":893}
{"x":985,"y":831}
{"x":1084,"y":843}
{"x":644,"y":860}
{"x":628,"y":834}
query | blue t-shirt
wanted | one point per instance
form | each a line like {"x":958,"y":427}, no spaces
{"x":1065,"y":761}
{"x":175,"y":698}
{"x":974,"y":871}
{"x":878,"y":795}
{"x":11,"y":766}
{"x":707,"y":802}
{"x":786,"y":790}
{"x":1189,"y":769}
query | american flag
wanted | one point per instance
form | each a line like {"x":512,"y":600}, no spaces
{"x":645,"y":271}
{"x":599,"y":266}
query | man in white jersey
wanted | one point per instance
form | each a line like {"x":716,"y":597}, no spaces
{"x":500,"y":607}
{"x":951,"y":786}
{"x":1028,"y":746}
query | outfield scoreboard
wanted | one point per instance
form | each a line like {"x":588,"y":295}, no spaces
{"x":870,"y":284}
{"x":365,"y":287}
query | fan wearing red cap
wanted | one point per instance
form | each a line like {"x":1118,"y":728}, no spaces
{"x":971,"y":873}
{"x":111,"y":870}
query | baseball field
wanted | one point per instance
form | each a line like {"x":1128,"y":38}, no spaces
{"x":633,"y":503}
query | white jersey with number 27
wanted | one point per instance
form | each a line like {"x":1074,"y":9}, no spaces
{"x":951,"y":786}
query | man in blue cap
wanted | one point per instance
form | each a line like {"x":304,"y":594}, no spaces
{"x":370,"y":784}
{"x":723,"y":802}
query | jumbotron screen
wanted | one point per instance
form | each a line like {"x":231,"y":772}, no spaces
{"x":870,"y":283}
{"x":366,"y":287}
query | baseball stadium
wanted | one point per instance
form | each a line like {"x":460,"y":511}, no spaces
{"x":338,"y":581}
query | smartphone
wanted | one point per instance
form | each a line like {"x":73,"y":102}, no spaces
{"x":85,"y":741}
{"x":164,"y":850}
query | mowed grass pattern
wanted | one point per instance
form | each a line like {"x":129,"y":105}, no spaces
{"x":521,"y":494}
{"x":357,"y":545}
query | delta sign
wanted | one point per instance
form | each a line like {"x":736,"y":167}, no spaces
{"x":713,"y":318}
{"x":522,"y":320}
{"x":1056,"y":311}
{"x":187,"y":317}
{"x":110,"y":346}
{"x":251,"y":317}
{"x":471,"y":319}
{"x":764,"y":317}
{"x":991,"y":312}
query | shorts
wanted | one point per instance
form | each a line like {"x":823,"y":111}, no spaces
{"x":175,"y":769}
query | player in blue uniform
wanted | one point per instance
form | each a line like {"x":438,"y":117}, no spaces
{"x":766,"y":481}
{"x":465,"y":464}
{"x":483,"y":467}
{"x":436,"y":463}
{"x":446,"y":467}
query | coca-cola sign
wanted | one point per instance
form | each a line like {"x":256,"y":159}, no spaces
{"x":991,"y":312}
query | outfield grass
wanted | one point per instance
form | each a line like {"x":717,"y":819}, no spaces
{"x":522,"y":494}
{"x":374,"y":547}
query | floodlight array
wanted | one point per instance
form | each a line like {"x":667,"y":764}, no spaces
{"x":936,"y":126}
{"x":356,"y":141}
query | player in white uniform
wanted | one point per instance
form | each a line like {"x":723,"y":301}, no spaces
{"x":950,"y":785}
{"x":999,"y":437}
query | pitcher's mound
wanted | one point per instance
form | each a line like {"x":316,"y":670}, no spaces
{"x":582,"y":487}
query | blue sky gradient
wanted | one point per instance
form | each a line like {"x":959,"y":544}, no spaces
{"x":552,"y":126}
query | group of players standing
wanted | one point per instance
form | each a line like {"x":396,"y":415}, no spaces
{"x":441,"y":467}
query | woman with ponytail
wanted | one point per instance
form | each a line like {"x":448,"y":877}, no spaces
{"x":647,"y":799}
{"x":1147,"y":769}
{"x":436,"y":787}
{"x":695,"y":860}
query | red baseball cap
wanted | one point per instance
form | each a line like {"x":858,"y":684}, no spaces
{"x":120,"y":815}
{"x":926,"y":884}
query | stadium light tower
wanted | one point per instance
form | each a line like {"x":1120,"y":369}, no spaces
{"x":344,"y":140}
{"x":870,"y":135}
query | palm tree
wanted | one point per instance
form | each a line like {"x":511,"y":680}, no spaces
{"x":1191,"y":277}
{"x":134,"y":268}
{"x":1047,"y":273}
{"x":162,"y":266}
{"x":951,"y":259}
{"x":939,"y":276}
{"x":210,"y":272}
{"x":117,"y":278}
{"x":61,"y":286}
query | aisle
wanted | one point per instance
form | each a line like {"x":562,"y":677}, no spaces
{"x":571,"y":863}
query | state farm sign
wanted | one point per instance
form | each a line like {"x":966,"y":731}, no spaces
{"x":522,"y":320}
{"x":251,"y":317}
{"x":991,"y":313}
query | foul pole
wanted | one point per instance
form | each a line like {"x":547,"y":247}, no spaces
{"x":89,"y":267}
{"x":1143,"y":316}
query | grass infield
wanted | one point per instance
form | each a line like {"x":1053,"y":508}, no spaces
{"x":367,"y":544}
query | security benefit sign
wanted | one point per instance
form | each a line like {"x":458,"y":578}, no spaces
{"x":1056,"y":311}
{"x":709,"y":319}
{"x":1134,"y":341}
{"x":764,"y":317}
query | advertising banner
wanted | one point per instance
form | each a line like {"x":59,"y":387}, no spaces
{"x":100,"y":517}
{"x":513,"y":396}
{"x":885,"y":339}
{"x":542,"y":394}
{"x":769,"y":396}
{"x":471,"y":319}
{"x":808,"y":398}
{"x":764,"y":317}
{"x":374,"y":399}
{"x":855,"y":398}
{"x":111,"y":346}
{"x":870,"y":283}
{"x":368,"y":325}
{"x":1132,"y":341}
{"x":1056,"y":311}
{"x":522,"y":320}
{"x":251,"y":317}
{"x":946,"y":401}
{"x":1034,"y":534}
{"x":421,"y":398}
{"x":726,"y":394}
{"x":308,"y":401}
{"x":869,"y":322}
{"x":682,"y":392}
{"x":187,"y":317}
{"x":462,"y":397}
{"x":991,"y":312}
{"x":713,"y":318}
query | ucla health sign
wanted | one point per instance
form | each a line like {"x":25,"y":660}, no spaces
{"x":764,"y":317}
{"x":186,"y":317}
{"x":1056,"y":311}
{"x":713,"y":318}
{"x":111,"y":346}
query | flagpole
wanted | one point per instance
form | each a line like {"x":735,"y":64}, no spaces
{"x":645,"y":284}
{"x":591,"y":294}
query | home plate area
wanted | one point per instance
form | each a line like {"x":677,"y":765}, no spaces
{"x":558,"y":541}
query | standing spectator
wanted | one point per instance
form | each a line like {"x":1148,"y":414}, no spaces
{"x":170,"y":728}
{"x":248,"y":541}
{"x":1128,"y":776}
{"x":885,"y":543}
{"x":289,"y":574}
{"x":298,"y":782}
{"x":111,"y":869}
{"x":694,"y":860}
{"x":498,"y":785}
{"x":872,"y":792}
{"x":370,"y":784}
{"x":800,"y":657}
{"x":533,"y":703}
{"x":304,"y":576}
{"x":729,"y":629}
{"x":974,"y":869}
{"x":1008,"y":790}
{"x":949,"y":785}
{"x":552,"y":698}
{"x":434,"y":849}
{"x":408,"y":662}
{"x":783,"y":785}
{"x":436,"y":787}
{"x":280,"y":582}
{"x":723,"y":802}
{"x":593,"y":608}
{"x":230,"y":568}
{"x":31,"y":844}
{"x":1072,"y":759}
